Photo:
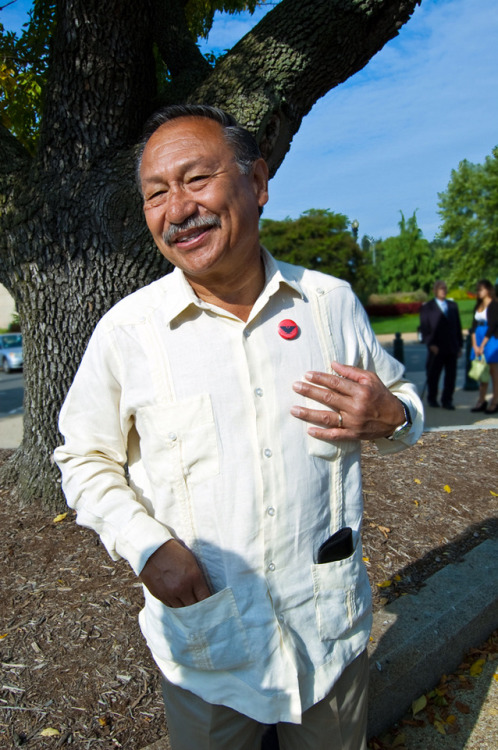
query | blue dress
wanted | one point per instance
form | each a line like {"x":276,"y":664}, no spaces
{"x":491,"y":348}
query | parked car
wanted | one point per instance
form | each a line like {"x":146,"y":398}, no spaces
{"x":11,"y":357}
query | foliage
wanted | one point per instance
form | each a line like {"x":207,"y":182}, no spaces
{"x":396,"y":297}
{"x":200,"y":13}
{"x":406,"y":262}
{"x":468,"y":209}
{"x":321,"y":240}
{"x":23,"y":69}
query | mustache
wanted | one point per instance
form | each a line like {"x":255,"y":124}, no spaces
{"x":193,"y":222}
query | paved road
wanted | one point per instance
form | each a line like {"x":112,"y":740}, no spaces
{"x":11,"y":393}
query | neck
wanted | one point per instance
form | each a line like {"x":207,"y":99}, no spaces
{"x":237,"y":293}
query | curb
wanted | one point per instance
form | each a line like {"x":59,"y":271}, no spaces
{"x":422,"y":636}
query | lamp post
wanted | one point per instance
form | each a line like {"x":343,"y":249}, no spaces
{"x":354,"y":226}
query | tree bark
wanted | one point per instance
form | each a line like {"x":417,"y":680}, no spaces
{"x":73,"y":239}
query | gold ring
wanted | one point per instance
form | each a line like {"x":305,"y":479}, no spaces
{"x":340,"y":419}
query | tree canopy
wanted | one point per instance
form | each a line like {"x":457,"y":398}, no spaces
{"x":86,"y":75}
{"x":406,"y":262}
{"x":321,"y":240}
{"x":469,"y":209}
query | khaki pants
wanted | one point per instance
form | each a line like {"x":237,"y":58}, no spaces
{"x":338,"y":722}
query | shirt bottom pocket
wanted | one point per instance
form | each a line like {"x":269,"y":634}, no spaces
{"x":207,"y":635}
{"x":342,"y":595}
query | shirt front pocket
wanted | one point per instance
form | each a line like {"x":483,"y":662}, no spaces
{"x":208,"y":635}
{"x":342,"y":595}
{"x":178,"y":441}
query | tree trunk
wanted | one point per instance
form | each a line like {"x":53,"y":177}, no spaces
{"x":73,"y":239}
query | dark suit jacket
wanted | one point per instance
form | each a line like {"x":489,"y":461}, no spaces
{"x":444,"y":331}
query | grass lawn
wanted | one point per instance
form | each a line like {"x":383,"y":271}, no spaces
{"x":409,"y":323}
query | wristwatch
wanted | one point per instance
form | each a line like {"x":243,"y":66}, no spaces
{"x":402,"y":430}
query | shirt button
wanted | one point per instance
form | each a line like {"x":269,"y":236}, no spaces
{"x":268,"y":453}
{"x":271,"y":511}
{"x":258,"y":391}
{"x":281,"y":617}
{"x":247,"y":333}
{"x":319,"y":291}
{"x":271,"y":566}
{"x":172,"y":436}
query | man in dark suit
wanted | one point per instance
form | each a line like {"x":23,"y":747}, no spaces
{"x":442,"y":334}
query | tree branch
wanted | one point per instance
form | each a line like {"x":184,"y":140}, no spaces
{"x":177,"y":47}
{"x":298,"y":52}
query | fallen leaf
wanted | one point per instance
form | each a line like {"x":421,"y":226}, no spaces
{"x":417,"y":481}
{"x":49,"y":732}
{"x":447,"y":488}
{"x":397,"y":578}
{"x":451,"y":719}
{"x":440,"y":726}
{"x":4,"y":635}
{"x":384,"y":584}
{"x":419,"y":704}
{"x":416,"y":502}
{"x":462,"y":707}
{"x":495,"y":676}
{"x":59,"y":518}
{"x":365,"y":559}
{"x":495,"y":494}
{"x":398,"y":740}
{"x":476,"y":667}
{"x":413,"y":722}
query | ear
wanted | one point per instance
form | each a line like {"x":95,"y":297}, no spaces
{"x":260,"y":174}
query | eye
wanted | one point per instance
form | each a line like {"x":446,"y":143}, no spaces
{"x":155,"y":198}
{"x":198,"y":178}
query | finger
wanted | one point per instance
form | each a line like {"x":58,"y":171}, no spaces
{"x":324,"y":396}
{"x":323,"y":419}
{"x":349,"y":372}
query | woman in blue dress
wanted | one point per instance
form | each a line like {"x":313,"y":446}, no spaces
{"x":485,"y":342}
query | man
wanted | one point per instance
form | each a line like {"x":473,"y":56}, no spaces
{"x":442,"y":334}
{"x":237,"y":390}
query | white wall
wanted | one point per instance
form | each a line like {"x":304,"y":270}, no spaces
{"x":7,"y":307}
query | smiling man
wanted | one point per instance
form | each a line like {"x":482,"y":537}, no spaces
{"x":237,"y":391}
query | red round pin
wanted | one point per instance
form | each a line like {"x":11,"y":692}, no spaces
{"x":288,"y":329}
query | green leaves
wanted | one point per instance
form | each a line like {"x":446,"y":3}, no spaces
{"x":23,"y":69}
{"x":468,"y":209}
{"x":406,"y":262}
{"x":321,"y":240}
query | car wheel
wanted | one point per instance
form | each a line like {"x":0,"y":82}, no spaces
{"x":5,"y":365}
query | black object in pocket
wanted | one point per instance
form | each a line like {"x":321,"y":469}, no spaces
{"x":337,"y":547}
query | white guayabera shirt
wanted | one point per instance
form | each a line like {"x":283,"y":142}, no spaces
{"x":197,"y":404}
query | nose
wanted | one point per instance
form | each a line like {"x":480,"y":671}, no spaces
{"x":180,"y":205}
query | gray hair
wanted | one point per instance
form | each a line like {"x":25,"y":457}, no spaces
{"x":241,"y":141}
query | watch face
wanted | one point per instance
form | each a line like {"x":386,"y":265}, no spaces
{"x":399,"y":432}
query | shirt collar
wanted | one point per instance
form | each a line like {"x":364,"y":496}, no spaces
{"x":182,"y":301}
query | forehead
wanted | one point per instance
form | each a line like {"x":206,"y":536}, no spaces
{"x":186,"y":138}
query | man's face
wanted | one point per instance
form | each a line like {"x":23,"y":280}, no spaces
{"x":201,"y":211}
{"x":441,"y":291}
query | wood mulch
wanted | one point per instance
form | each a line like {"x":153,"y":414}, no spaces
{"x":75,"y":669}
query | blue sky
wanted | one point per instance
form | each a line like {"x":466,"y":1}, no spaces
{"x":388,"y":138}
